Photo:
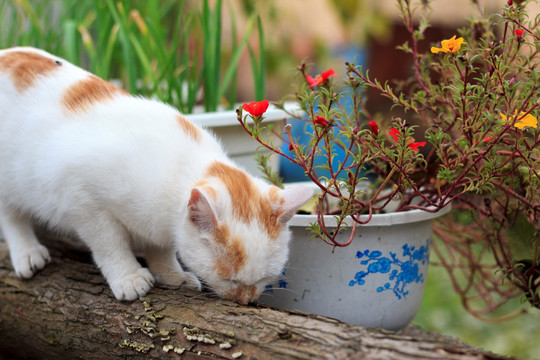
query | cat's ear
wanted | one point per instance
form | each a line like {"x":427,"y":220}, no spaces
{"x":295,"y":196}
{"x":201,"y":213}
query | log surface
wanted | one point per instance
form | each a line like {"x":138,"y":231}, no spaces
{"x":67,"y":308}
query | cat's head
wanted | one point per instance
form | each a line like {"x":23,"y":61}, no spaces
{"x":238,"y":235}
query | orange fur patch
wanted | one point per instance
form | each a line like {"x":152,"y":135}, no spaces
{"x":86,"y":92}
{"x":246,"y":200}
{"x":273,"y":195}
{"x":189,"y":128}
{"x":25,"y":67}
{"x":234,"y":254}
{"x":222,"y":235}
{"x":208,"y":189}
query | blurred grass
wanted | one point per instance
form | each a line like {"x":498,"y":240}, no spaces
{"x":169,"y":49}
{"x":441,"y":311}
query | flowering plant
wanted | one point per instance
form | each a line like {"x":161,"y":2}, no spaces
{"x":470,"y":138}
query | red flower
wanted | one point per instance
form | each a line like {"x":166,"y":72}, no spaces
{"x":415,"y":145}
{"x":326,"y":74}
{"x":257,"y":108}
{"x":374,"y":127}
{"x":320,"y":120}
{"x":489,"y":137}
{"x":312,"y":82}
{"x":518,"y":32}
{"x":394,"y":133}
{"x":321,"y":78}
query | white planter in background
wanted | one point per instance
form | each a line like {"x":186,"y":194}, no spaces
{"x":377,"y":281}
{"x":238,"y":144}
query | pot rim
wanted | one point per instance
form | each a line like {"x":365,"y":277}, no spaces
{"x":394,"y":218}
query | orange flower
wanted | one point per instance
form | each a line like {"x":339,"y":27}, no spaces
{"x":524,"y":120}
{"x":450,"y":45}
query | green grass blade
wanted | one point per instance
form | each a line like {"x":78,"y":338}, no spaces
{"x":235,"y":59}
{"x":231,"y":94}
{"x":69,"y":29}
{"x":143,"y":58}
{"x":260,"y":79}
{"x":108,"y":52}
{"x":127,"y":51}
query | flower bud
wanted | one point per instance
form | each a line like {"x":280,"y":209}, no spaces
{"x":374,"y":127}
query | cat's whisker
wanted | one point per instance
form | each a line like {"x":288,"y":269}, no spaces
{"x":294,"y":268}
{"x":270,"y":291}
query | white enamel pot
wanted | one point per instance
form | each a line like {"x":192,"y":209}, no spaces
{"x":377,"y":281}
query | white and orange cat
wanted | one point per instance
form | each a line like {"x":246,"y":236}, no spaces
{"x":125,"y":173}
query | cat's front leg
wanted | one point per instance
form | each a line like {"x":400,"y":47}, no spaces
{"x":27,"y":254}
{"x":167,"y":270}
{"x":109,"y":242}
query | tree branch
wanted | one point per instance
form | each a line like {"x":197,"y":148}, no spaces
{"x":68,"y":310}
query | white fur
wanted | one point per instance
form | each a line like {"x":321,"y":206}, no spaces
{"x":118,"y":175}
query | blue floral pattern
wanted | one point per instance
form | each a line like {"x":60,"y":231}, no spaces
{"x":401,"y":272}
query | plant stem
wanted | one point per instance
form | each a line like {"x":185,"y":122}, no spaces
{"x":383,"y":184}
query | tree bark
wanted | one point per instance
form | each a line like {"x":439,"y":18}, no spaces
{"x":68,"y":311}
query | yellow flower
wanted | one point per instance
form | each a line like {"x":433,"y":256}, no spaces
{"x":524,"y":121}
{"x":450,"y":45}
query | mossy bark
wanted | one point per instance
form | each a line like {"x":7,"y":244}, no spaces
{"x":68,"y":311}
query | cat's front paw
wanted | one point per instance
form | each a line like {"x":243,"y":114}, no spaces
{"x":192,"y":281}
{"x":184,"y":278}
{"x":30,"y":261}
{"x":133,"y":286}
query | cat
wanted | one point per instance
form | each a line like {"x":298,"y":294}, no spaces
{"x":127,"y":173}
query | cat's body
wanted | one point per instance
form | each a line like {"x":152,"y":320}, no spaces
{"x":124,"y":172}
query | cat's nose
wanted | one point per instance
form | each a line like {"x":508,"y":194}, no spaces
{"x":246,"y":294}
{"x":243,"y":294}
{"x":243,"y":301}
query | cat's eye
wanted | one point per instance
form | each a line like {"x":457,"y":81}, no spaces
{"x":58,"y":62}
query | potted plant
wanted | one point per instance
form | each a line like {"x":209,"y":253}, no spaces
{"x":475,"y":99}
